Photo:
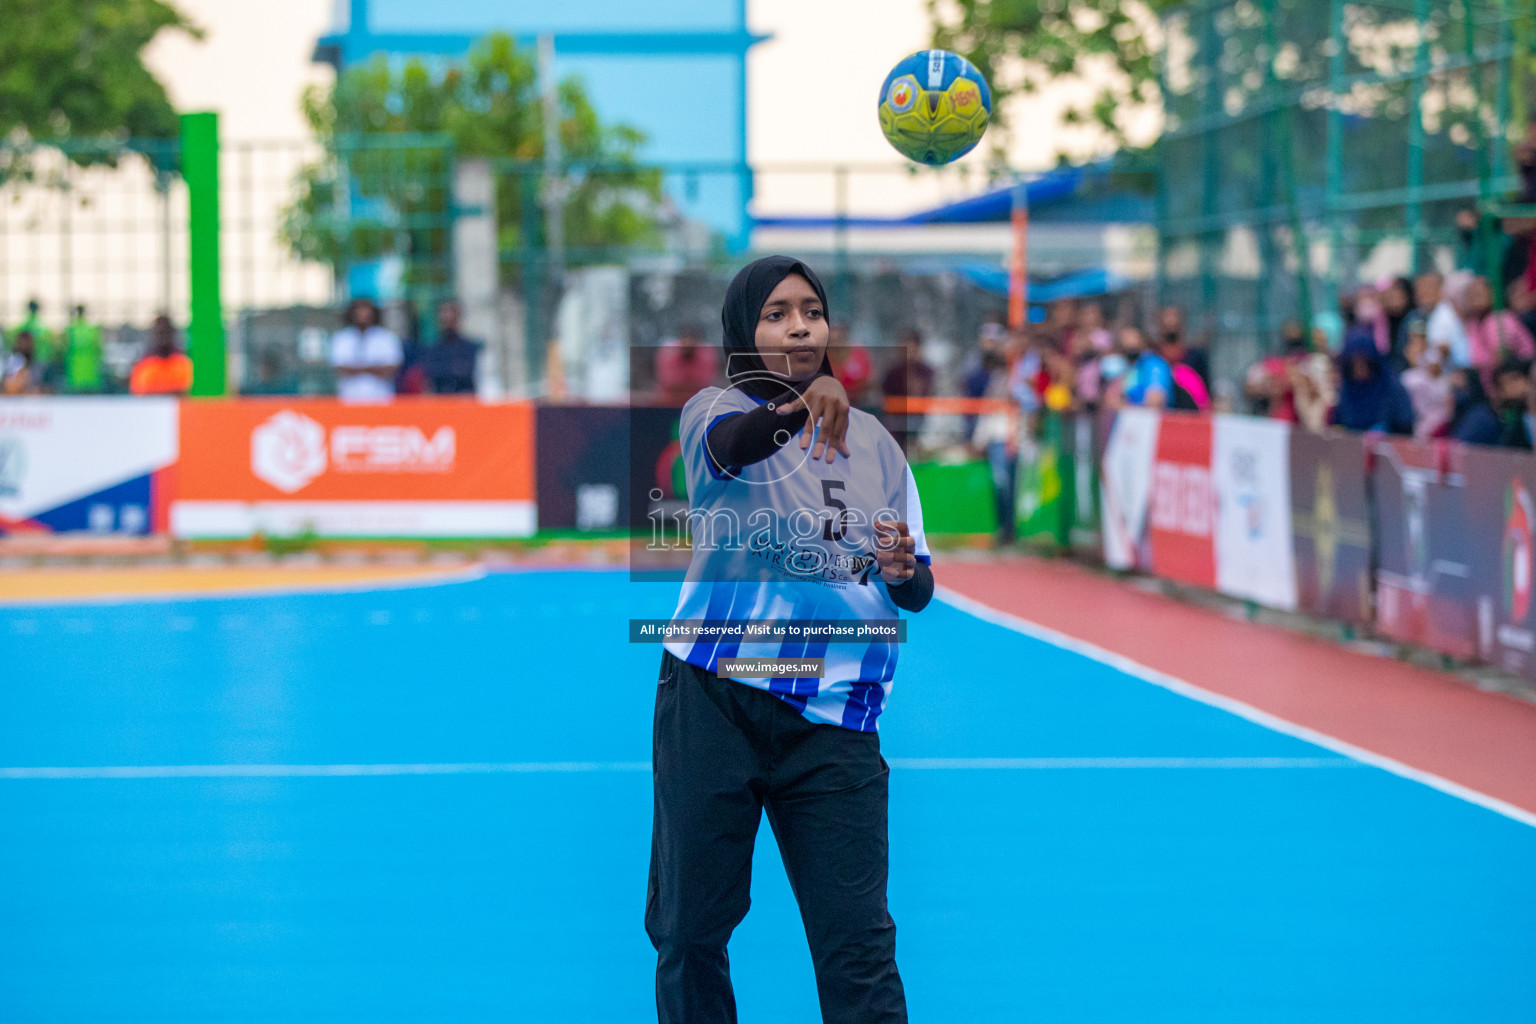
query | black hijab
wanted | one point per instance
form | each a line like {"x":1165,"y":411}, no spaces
{"x":743,"y":305}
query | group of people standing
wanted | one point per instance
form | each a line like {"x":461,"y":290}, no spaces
{"x":373,"y":364}
{"x":1429,"y":357}
{"x":34,"y":359}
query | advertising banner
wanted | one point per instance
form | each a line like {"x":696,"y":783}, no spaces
{"x":1424,"y":591}
{"x":418,"y":468}
{"x":99,"y":465}
{"x":658,"y":494}
{"x":1125,"y":485}
{"x":1331,"y":525}
{"x":1182,"y":516}
{"x":1501,"y":511}
{"x":1040,"y":504}
{"x":1083,"y":443}
{"x":1250,"y":465}
{"x":583,"y":467}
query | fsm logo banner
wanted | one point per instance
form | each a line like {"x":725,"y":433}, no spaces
{"x":419,"y":468}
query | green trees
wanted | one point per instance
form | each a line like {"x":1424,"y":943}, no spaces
{"x":74,"y":68}
{"x":1106,"y":49}
{"x":371,"y":123}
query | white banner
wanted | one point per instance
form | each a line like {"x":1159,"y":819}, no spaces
{"x":1126,"y":484}
{"x":89,"y":464}
{"x":1251,"y":471}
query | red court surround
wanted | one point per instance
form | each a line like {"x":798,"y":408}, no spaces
{"x":1429,"y":721}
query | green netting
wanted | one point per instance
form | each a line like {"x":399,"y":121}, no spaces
{"x":1312,"y":144}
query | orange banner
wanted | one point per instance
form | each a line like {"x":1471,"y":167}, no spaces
{"x":420,"y":467}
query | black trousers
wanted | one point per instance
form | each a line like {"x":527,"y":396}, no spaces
{"x":723,"y":753}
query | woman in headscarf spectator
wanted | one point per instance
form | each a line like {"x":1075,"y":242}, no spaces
{"x":1492,"y":335}
{"x":1396,"y":305}
{"x":1370,"y":395}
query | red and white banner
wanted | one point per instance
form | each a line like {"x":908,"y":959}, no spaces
{"x":1201,"y":500}
{"x":1182,"y":522}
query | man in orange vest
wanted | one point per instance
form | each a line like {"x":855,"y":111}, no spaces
{"x":166,"y":370}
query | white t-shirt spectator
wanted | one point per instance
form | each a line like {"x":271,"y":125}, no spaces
{"x":1445,"y":328}
{"x":354,"y":349}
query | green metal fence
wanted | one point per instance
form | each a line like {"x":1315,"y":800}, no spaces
{"x":1313,"y":144}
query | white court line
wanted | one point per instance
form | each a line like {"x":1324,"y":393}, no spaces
{"x":1184,"y":689}
{"x":268,"y":771}
{"x":294,"y":589}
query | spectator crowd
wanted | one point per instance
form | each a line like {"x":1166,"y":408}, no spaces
{"x":370,"y":363}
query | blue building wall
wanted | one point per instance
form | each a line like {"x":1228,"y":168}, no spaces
{"x":675,"y":69}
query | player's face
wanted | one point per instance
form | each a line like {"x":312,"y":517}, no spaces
{"x":792,"y":328}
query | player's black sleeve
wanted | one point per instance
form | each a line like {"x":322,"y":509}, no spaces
{"x":748,"y":437}
{"x":914,"y":594}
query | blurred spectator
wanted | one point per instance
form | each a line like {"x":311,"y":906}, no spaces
{"x":42,"y":337}
{"x":16,"y":369}
{"x":1442,"y":325}
{"x":910,"y":377}
{"x":1171,"y":331}
{"x":1492,"y":336}
{"x":994,"y":434}
{"x":685,"y":365}
{"x":1090,"y":323}
{"x":1189,"y":385}
{"x":1150,"y":379}
{"x":1525,"y":159}
{"x":1270,"y":384}
{"x":1428,"y":385}
{"x":851,"y":364}
{"x":165,"y":370}
{"x":411,"y":377}
{"x":1396,"y":305}
{"x":1025,"y":367}
{"x":1113,"y":367}
{"x":1370,"y":395}
{"x":450,"y":366}
{"x":1060,"y":327}
{"x":366,"y":356}
{"x":1315,"y":385}
{"x":82,"y":354}
{"x":1501,"y":421}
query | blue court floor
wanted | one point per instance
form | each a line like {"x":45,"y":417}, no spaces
{"x":433,"y":804}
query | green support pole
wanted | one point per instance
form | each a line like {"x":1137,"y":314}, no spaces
{"x":205,"y":332}
{"x":1415,"y":211}
{"x":1335,"y":169}
{"x":1210,"y":171}
{"x":1487,"y":230}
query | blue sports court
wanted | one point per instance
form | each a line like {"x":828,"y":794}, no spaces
{"x":432,"y":802}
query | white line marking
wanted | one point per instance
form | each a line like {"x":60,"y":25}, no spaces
{"x":267,"y":771}
{"x":1259,"y":717}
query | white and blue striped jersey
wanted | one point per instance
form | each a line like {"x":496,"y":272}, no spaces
{"x":793,"y":538}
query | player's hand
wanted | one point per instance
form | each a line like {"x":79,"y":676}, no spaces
{"x":828,"y":405}
{"x":895,"y":552}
